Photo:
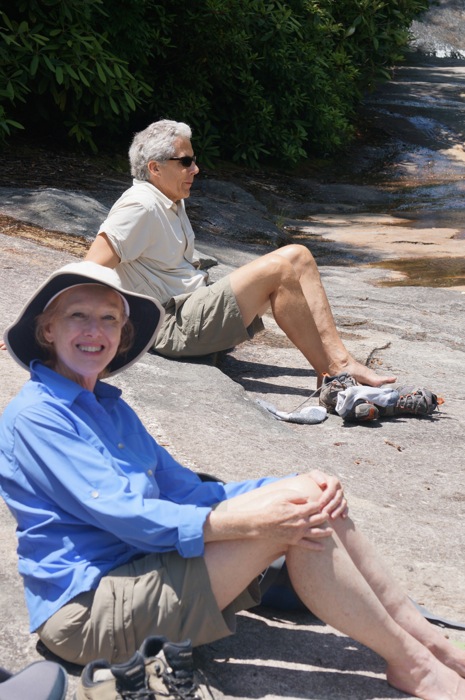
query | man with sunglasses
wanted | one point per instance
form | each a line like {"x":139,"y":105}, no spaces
{"x":148,"y":239}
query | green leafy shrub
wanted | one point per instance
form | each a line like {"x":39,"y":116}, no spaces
{"x":57,"y":68}
{"x":277,"y":79}
{"x":257,"y":79}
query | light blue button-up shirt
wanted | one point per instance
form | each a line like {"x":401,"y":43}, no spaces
{"x":90,"y":489}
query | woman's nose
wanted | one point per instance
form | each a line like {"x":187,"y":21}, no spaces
{"x":92,"y":325}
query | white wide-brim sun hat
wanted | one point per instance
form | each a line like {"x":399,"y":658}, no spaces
{"x":145,"y":313}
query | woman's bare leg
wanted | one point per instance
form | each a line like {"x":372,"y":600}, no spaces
{"x":333,"y":586}
{"x":394,"y":599}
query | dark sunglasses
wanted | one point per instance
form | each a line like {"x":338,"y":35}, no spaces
{"x":186,"y":161}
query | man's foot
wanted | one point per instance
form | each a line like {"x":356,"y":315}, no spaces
{"x":365,"y":375}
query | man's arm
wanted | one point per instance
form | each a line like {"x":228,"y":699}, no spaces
{"x":102,"y":252}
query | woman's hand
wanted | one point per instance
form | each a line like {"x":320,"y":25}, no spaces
{"x":285,"y":517}
{"x":298,"y":521}
{"x":332,"y":501}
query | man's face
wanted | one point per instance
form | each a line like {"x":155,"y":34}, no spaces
{"x":172,"y":177}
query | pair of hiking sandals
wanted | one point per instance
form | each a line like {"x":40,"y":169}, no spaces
{"x":411,"y":400}
{"x":159,"y":669}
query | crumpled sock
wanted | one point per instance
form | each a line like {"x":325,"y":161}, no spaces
{"x":380,"y":396}
{"x":307,"y":416}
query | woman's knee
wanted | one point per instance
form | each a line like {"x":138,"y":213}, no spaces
{"x":304,"y":484}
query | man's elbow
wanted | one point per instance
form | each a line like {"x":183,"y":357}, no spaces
{"x":102,"y":252}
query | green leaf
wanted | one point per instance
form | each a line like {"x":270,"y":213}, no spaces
{"x":48,"y":63}
{"x":70,"y":70}
{"x":130,"y":101}
{"x":101,"y":73}
{"x":34,"y":65}
{"x":7,"y":21}
{"x":83,"y":78}
{"x":113,"y":105}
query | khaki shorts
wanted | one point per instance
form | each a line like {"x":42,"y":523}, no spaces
{"x":205,"y":321}
{"x":157,"y":594}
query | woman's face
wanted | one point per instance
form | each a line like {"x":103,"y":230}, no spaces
{"x":85,"y":330}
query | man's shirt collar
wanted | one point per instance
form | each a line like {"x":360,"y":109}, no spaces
{"x":162,"y":198}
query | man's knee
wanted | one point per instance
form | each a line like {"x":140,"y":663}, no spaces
{"x":276,"y":267}
{"x":300,"y":258}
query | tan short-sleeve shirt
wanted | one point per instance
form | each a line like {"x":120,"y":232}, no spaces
{"x":154,"y":240}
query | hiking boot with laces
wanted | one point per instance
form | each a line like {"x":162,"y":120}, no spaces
{"x":330,"y":388}
{"x":102,"y":681}
{"x":170,"y":670}
{"x":414,"y":400}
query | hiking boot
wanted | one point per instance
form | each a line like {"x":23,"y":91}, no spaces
{"x":102,"y":681}
{"x":170,"y":670}
{"x":331,"y":387}
{"x":362,"y":411}
{"x":414,"y":400}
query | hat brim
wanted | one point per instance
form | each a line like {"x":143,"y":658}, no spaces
{"x":146,"y":315}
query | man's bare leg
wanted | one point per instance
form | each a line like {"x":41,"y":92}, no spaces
{"x":301,"y":309}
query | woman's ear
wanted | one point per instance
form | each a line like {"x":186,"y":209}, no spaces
{"x":47,"y":332}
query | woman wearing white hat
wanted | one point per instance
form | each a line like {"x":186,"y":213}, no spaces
{"x":117,"y":541}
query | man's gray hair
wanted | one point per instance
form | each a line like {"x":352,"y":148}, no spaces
{"x":156,"y":142}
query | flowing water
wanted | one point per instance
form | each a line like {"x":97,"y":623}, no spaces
{"x":423,"y":111}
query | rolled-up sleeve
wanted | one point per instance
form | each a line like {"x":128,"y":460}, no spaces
{"x":71,"y":467}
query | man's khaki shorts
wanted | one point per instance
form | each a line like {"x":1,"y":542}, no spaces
{"x":205,"y":321}
{"x":156,"y":594}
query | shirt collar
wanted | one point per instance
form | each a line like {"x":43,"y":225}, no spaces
{"x":158,"y":194}
{"x":67,"y":390}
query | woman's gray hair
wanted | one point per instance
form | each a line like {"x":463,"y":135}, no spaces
{"x":156,"y":142}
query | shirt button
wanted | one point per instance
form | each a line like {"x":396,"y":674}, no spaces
{"x":149,"y":472}
{"x":121,"y":445}
{"x":95,"y":494}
